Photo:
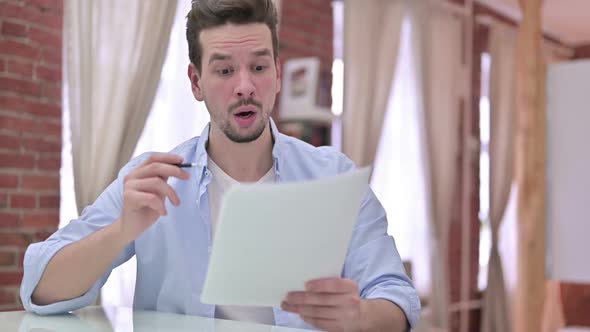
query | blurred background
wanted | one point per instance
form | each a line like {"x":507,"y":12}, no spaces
{"x":471,"y":113}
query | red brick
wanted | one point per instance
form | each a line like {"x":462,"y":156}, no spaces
{"x":11,"y":278}
{"x":51,"y":91}
{"x":20,"y":86}
{"x":16,"y":160}
{"x":49,"y":201}
{"x":15,"y":103}
{"x":8,"y":258}
{"x":14,"y":29}
{"x":12,"y":103}
{"x":15,"y":238}
{"x":41,"y":145}
{"x":46,"y":128}
{"x":44,"y":109}
{"x":49,"y":163}
{"x":51,"y":21}
{"x":3,"y":201}
{"x":25,"y":13}
{"x":54,"y":5}
{"x":7,"y":296}
{"x":46,"y":37}
{"x":41,"y":220}
{"x":16,"y":124}
{"x":10,"y":47}
{"x":21,"y":259}
{"x":43,"y":4}
{"x":21,"y":68}
{"x":9,"y":181}
{"x":8,"y":219}
{"x":40,"y":182}
{"x":42,"y":235}
{"x":2,"y":65}
{"x":9,"y":142}
{"x":48,"y":74}
{"x":23,"y":201}
{"x":51,"y":55}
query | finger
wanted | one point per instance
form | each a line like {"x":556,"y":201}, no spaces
{"x":315,"y":311}
{"x":158,"y":169}
{"x":290,"y":307}
{"x":332,"y":285}
{"x":155,"y":186}
{"x":325,"y":299}
{"x":145,"y":200}
{"x":165,"y":158}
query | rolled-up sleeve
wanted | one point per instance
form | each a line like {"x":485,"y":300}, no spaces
{"x":375,"y":264}
{"x":103,"y":212}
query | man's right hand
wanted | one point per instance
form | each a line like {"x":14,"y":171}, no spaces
{"x":145,"y":192}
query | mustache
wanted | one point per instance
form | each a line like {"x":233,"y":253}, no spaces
{"x":244,"y":102}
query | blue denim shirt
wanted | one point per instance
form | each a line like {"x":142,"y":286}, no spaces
{"x":173,"y":254}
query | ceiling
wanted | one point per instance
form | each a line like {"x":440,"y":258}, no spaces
{"x":565,"y":20}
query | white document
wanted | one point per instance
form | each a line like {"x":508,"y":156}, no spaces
{"x":272,"y":238}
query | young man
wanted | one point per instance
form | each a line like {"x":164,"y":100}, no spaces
{"x":166,"y":216}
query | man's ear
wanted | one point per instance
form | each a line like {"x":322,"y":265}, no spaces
{"x":279,"y":74}
{"x":195,"y":78}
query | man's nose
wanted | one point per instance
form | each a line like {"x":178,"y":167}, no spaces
{"x":245,"y":87}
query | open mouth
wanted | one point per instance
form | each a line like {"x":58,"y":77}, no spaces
{"x":245,"y":115}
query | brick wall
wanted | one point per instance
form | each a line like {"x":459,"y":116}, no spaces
{"x":30,"y":132}
{"x":307,"y":30}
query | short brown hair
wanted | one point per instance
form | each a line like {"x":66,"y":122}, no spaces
{"x":206,"y":14}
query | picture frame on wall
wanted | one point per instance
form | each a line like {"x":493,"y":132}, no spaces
{"x":300,"y":86}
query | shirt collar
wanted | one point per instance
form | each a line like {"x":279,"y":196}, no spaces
{"x":201,"y":155}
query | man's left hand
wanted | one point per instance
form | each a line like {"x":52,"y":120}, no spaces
{"x":331,"y":304}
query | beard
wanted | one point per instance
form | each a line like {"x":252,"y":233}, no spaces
{"x":236,"y":137}
{"x":258,"y":127}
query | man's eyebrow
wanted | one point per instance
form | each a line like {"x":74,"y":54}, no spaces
{"x":264,"y":52}
{"x":218,"y":57}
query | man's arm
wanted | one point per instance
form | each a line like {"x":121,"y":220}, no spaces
{"x":382,"y":315}
{"x":74,"y":269}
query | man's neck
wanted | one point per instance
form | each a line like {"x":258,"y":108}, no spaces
{"x":244,"y":162}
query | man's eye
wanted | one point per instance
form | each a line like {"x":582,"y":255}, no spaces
{"x":225,"y":71}
{"x":259,"y":68}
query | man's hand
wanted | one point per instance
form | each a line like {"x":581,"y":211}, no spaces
{"x":145,"y":192}
{"x":331,"y":304}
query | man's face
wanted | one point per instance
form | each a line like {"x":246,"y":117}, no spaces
{"x":239,"y":79}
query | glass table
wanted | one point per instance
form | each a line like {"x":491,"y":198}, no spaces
{"x":121,"y":319}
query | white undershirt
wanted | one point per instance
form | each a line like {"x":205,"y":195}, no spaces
{"x":219,"y":184}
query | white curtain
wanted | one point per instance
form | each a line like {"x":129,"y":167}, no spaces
{"x":438,"y":40}
{"x":371,"y":41}
{"x":399,"y":172}
{"x":174,"y":118}
{"x":114,"y":55}
{"x":502,"y":114}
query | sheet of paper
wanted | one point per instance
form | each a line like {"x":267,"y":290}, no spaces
{"x":272,"y":238}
